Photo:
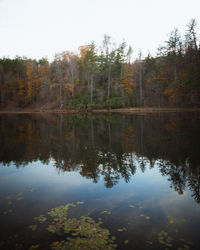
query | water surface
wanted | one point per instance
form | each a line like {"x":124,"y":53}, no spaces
{"x":139,"y":173}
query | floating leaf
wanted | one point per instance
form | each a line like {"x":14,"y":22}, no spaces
{"x":34,"y":247}
{"x":19,"y":198}
{"x":41,"y":218}
{"x":147,"y":217}
{"x":141,"y":214}
{"x":33,"y":227}
{"x":106,"y":212}
{"x":85,"y":232}
{"x":164,"y":238}
{"x":171,"y":219}
{"x":8,"y":211}
{"x":80,"y":202}
{"x":126,"y":242}
{"x":121,"y":229}
{"x":55,"y":243}
{"x":9,"y":202}
{"x":52,"y":229}
{"x":132,"y":206}
{"x":183,"y":220}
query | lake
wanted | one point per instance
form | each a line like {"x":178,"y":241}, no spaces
{"x":137,"y":174}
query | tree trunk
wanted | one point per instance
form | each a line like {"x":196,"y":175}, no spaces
{"x":1,"y":84}
{"x":140,"y":83}
{"x":109,"y":78}
{"x":91,"y":89}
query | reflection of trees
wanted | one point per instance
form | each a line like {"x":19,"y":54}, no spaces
{"x":177,"y":175}
{"x":107,"y":146}
{"x":194,"y":184}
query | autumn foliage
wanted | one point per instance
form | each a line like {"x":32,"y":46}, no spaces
{"x":107,"y":77}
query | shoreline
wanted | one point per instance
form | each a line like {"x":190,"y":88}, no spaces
{"x":83,"y":111}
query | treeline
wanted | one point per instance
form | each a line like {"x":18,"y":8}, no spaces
{"x":105,"y":77}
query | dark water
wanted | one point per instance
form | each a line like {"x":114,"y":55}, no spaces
{"x":143,"y":169}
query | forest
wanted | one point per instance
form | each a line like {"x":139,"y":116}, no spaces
{"x":106,"y":76}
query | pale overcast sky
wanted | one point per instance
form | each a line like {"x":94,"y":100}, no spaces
{"x":38,"y":28}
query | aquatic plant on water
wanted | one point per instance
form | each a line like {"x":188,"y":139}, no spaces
{"x":82,"y":233}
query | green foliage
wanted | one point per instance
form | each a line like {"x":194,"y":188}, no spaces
{"x":114,"y":102}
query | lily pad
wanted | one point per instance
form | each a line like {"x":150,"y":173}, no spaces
{"x":183,"y":220}
{"x":34,"y":247}
{"x":41,"y":218}
{"x":9,"y":211}
{"x":19,"y":198}
{"x":9,"y":202}
{"x":33,"y":227}
{"x":121,"y":229}
{"x":171,"y":219}
{"x":80,"y":202}
{"x":82,"y":233}
{"x":106,"y":212}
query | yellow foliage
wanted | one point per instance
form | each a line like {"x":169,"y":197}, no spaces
{"x":128,"y":81}
{"x":83,"y":51}
{"x":169,"y":92}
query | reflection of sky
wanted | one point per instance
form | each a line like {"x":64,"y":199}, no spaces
{"x":149,"y":185}
{"x":149,"y":189}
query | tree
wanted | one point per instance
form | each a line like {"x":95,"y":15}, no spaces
{"x":1,"y":84}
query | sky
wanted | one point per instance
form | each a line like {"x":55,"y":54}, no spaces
{"x":41,"y":28}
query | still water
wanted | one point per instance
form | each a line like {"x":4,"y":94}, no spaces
{"x":138,"y":174}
